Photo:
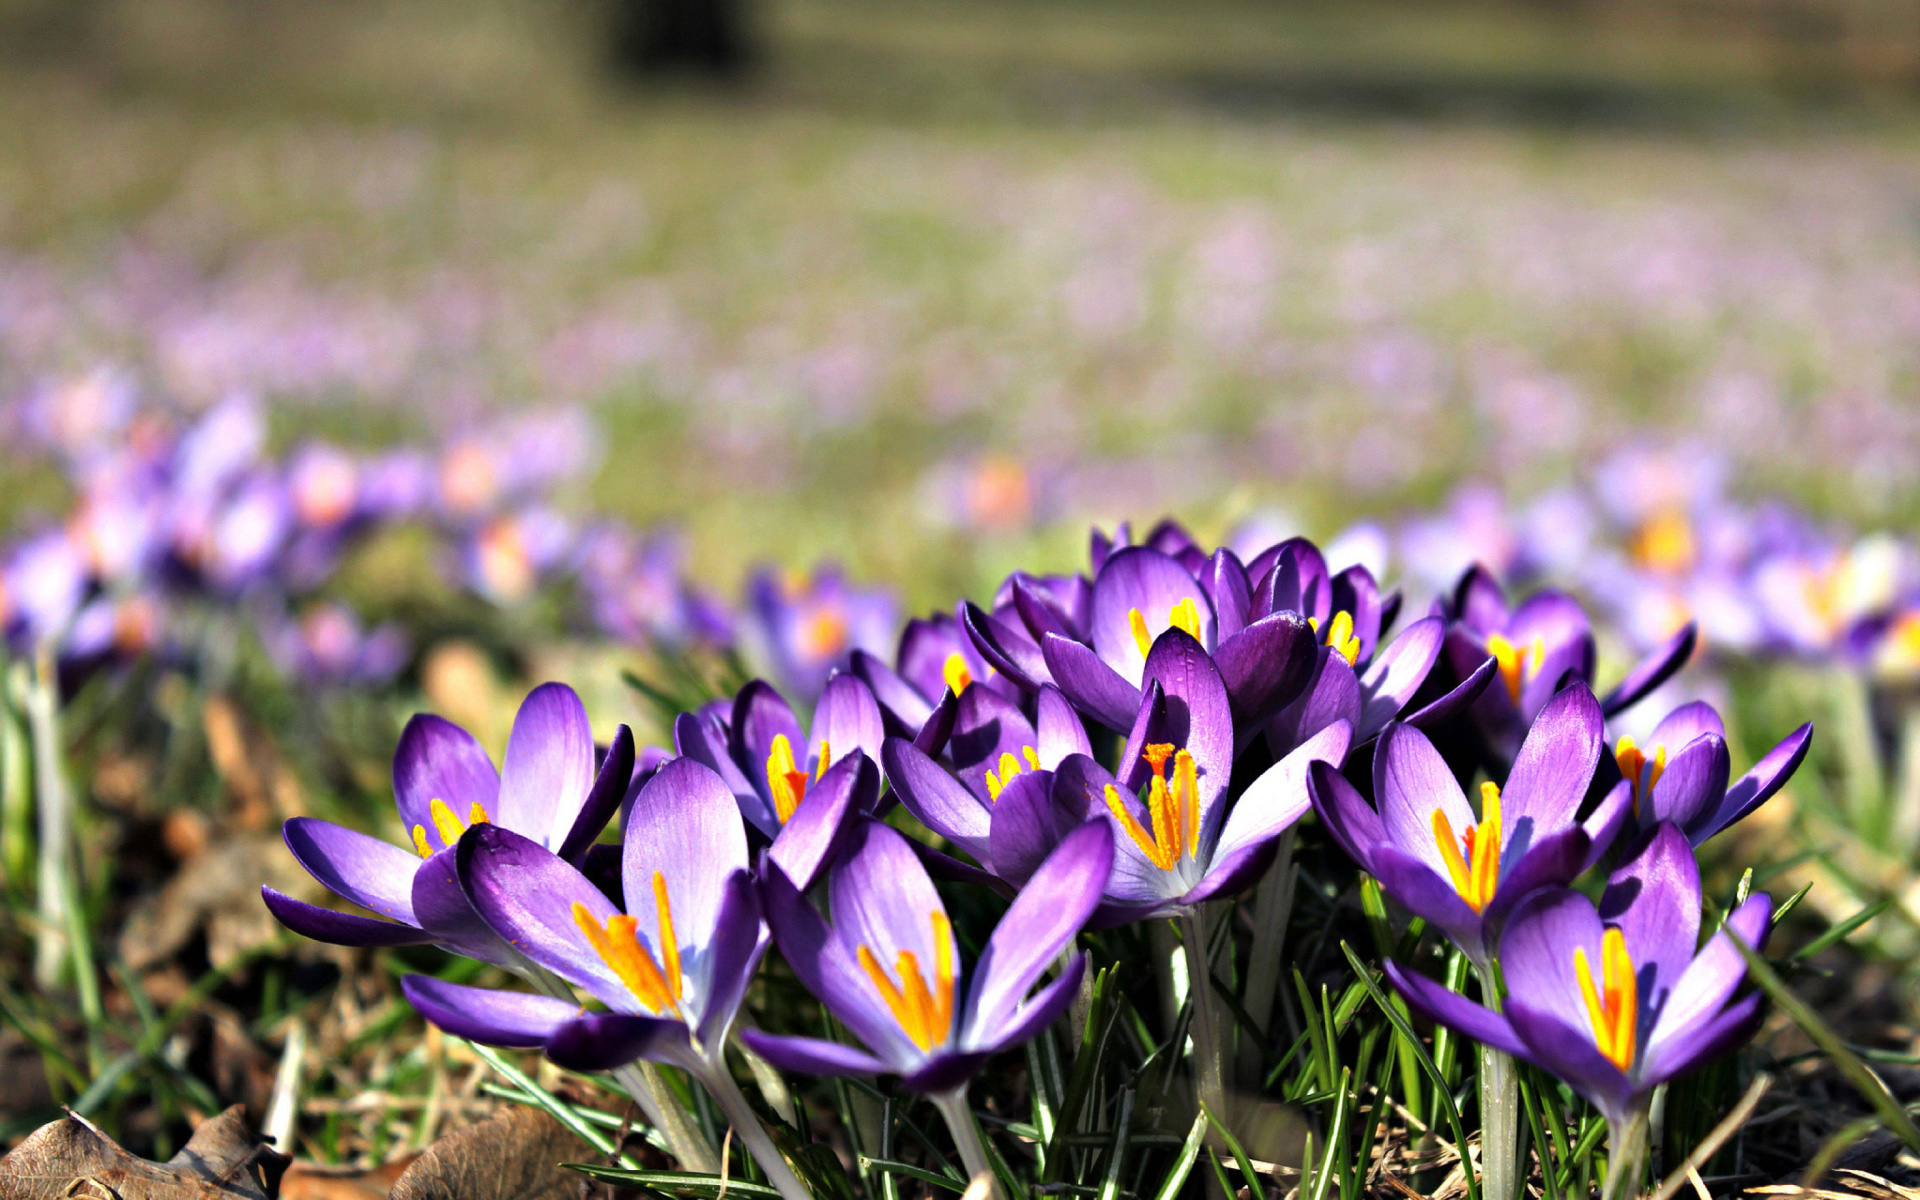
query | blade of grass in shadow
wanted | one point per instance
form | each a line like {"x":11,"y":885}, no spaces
{"x":1730,"y":1125}
{"x":682,"y":1183}
{"x":555,"y":1107}
{"x":1183,"y":1165}
{"x":1117,"y":1151}
{"x":890,"y":1167}
{"x":1839,"y":932}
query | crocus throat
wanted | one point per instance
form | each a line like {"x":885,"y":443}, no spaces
{"x":1614,"y":1006}
{"x":448,"y":826}
{"x":925,"y":1013}
{"x":1340,"y":636}
{"x":1476,"y":872}
{"x":619,"y":946}
{"x":954,"y":673}
{"x":1638,"y":769}
{"x":787,"y":779}
{"x":1009,"y":767}
{"x":1664,"y":543}
{"x":823,"y":634}
{"x":1517,"y":663}
{"x":1184,"y":615}
{"x":1173,"y":807}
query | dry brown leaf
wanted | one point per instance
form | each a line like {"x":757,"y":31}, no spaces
{"x":218,"y":890}
{"x":513,"y":1155}
{"x":71,"y":1157}
{"x":308,"y":1181}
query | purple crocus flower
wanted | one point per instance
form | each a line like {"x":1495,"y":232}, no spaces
{"x":992,"y":797}
{"x":1464,"y":871}
{"x":889,"y":966}
{"x":548,"y":791}
{"x":935,"y":657}
{"x":1377,"y":692}
{"x":1181,"y":845}
{"x":758,"y":751}
{"x":1537,"y":647}
{"x":803,"y":627}
{"x":1680,"y":774}
{"x":1615,"y":1001}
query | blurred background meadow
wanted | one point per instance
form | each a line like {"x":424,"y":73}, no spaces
{"x":361,"y":357}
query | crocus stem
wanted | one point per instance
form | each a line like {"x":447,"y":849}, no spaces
{"x":966,"y":1137}
{"x":1500,"y":1145}
{"x":1626,"y":1155}
{"x":50,"y":806}
{"x":1209,"y":1081}
{"x":747,"y":1127}
{"x":1272,"y":909}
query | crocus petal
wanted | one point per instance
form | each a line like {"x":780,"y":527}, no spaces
{"x":525,"y":894}
{"x":1554,"y":617}
{"x":933,"y":736}
{"x":1555,"y":764}
{"x":1569,"y":1051}
{"x":1654,"y":898}
{"x":882,"y":898}
{"x":1758,"y":785}
{"x":1693,"y":784}
{"x":1547,"y":861}
{"x":1713,"y":974}
{"x":1094,"y":687}
{"x":603,"y":798}
{"x":1356,"y":593}
{"x":1008,"y":651}
{"x":338,"y":928}
{"x":1348,"y":817}
{"x":1536,"y":952}
{"x":353,"y":866}
{"x":1606,"y":821}
{"x":1479,"y":601}
{"x":1036,"y":610}
{"x":1398,"y":672}
{"x":1418,"y":890}
{"x":937,"y":799}
{"x":944,"y":1071}
{"x":1278,"y":798}
{"x":1225,"y":582}
{"x":1035,"y":1015}
{"x":1234,"y":870}
{"x":1411,"y":781}
{"x":812,"y":1056}
{"x":1456,"y":1012}
{"x":1444,"y":709}
{"x":1151,"y":583}
{"x":686,"y":831}
{"x":827,"y":968}
{"x":602,"y":1041}
{"x":902,"y":707}
{"x":1699,"y":1044}
{"x":549,"y":765}
{"x":811,"y":836}
{"x":1026,"y":826}
{"x":730,"y":958}
{"x":1199,"y":716}
{"x":1653,"y":670}
{"x":1266,"y":665}
{"x":487,"y":1015}
{"x":438,"y":760}
{"x":1684,"y":724}
{"x":1058,"y":728}
{"x":759,"y":716}
{"x":1151,"y":725}
{"x":1043,"y":919}
{"x":704,"y":739}
{"x":925,"y":646}
{"x":846,"y":719}
{"x":1332,"y":695}
{"x":987,"y":726}
{"x":1298,"y":581}
{"x":441,"y":905}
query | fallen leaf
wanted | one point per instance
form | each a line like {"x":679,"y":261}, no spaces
{"x":513,"y":1155}
{"x":71,"y":1157}
{"x":217,"y":890}
{"x":310,"y":1181}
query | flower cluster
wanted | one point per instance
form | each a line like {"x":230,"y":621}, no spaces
{"x":1129,"y":744}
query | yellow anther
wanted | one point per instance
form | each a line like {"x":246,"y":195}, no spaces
{"x":669,"y":944}
{"x":1664,"y":543}
{"x":1613,"y":1006}
{"x":445,"y":823}
{"x":1473,"y":860}
{"x":1174,"y":808}
{"x":925,"y":1013}
{"x":476,"y":815}
{"x":1517,"y":664}
{"x":955,"y":673}
{"x":1184,"y":616}
{"x":1141,"y":637}
{"x":618,"y":946}
{"x":1639,"y":771}
{"x":824,"y":634}
{"x":1341,"y":638}
{"x":786,"y":779}
{"x":420,"y":841}
{"x":1032,"y":755}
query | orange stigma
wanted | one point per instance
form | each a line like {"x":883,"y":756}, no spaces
{"x":447,"y":825}
{"x":1173,"y":807}
{"x":955,"y":674}
{"x":925,"y":1013}
{"x":1517,"y":663}
{"x":787,"y":779}
{"x":1614,"y":1006}
{"x":1475,"y":873}
{"x":1639,"y":770}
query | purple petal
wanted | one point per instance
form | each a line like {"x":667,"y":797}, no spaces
{"x":1080,"y":781}
{"x":441,"y":904}
{"x":704,"y":738}
{"x":1008,"y":651}
{"x":549,"y":765}
{"x":1758,"y":785}
{"x":1355,"y":593}
{"x":1058,"y":728}
{"x":1278,"y":798}
{"x":1697,"y":1044}
{"x":485,"y":1015}
{"x":846,"y":719}
{"x":525,"y":894}
{"x":1267,"y":665}
{"x":1094,"y":687}
{"x":937,"y":799}
{"x":1410,"y":781}
{"x":1233,"y":871}
{"x":1150,"y":725}
{"x":1043,"y":920}
{"x":1550,"y":774}
{"x":1415,"y":886}
{"x":987,"y":726}
{"x":812,"y":1056}
{"x":1556,"y":618}
{"x":1199,"y":717}
{"x":1605,"y":822}
{"x":1684,"y":724}
{"x":1333,"y":695}
{"x":1297,"y":582}
{"x":338,"y":928}
{"x":1350,"y":819}
{"x":1225,"y":582}
{"x":1568,"y":1050}
{"x":1036,"y":610}
{"x":1025,"y":826}
{"x":933,"y":736}
{"x":353,"y":866}
{"x":728,"y":963}
{"x":1552,"y":860}
{"x":1479,"y":602}
{"x":1444,"y":1007}
{"x":1654,"y":898}
{"x":902,"y":707}
{"x":1713,"y":974}
{"x":603,"y":799}
{"x":438,"y":760}
{"x":952,"y":870}
{"x":602,"y":1041}
{"x":759,"y":716}
{"x":1470,"y":689}
{"x":1030,"y":1018}
{"x":827,"y":968}
{"x":925,"y":646}
{"x":1653,"y":670}
{"x":1536,"y":953}
{"x":1151,"y":583}
{"x":686,"y":830}
{"x":883,"y":899}
{"x":1399,"y":671}
{"x":811,"y":836}
{"x":1692,"y":786}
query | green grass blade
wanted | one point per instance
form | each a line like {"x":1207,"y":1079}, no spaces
{"x":1183,"y":1165}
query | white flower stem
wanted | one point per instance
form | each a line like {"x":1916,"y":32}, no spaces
{"x":1626,"y":1155}
{"x":1500,"y":1129}
{"x":747,"y":1127}
{"x":966,"y":1137}
{"x":1208,"y":1070}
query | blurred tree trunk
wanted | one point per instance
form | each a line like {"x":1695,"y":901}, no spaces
{"x":705,"y":36}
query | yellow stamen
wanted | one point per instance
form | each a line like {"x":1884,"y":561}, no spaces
{"x":1664,"y":543}
{"x":1173,"y":808}
{"x":998,"y":780}
{"x":1141,"y":637}
{"x":1476,"y":872}
{"x":786,"y":780}
{"x":1340,"y":636}
{"x":1516,"y":663}
{"x":619,"y":947}
{"x":925,"y":1013}
{"x":1183,"y":616}
{"x":449,"y":826}
{"x":826,"y":758}
{"x":669,"y":944}
{"x":1634,"y":767}
{"x":476,"y":815}
{"x":1032,"y":755}
{"x":1613,"y":1007}
{"x":954,"y":672}
{"x":824,"y":634}
{"x":420,"y":841}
